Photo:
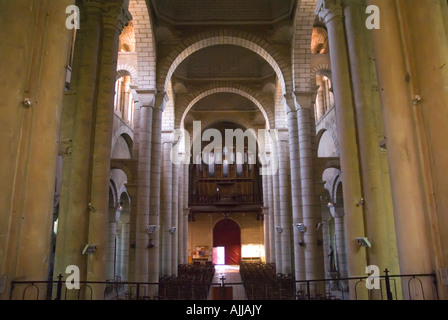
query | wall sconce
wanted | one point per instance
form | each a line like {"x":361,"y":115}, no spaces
{"x":172,"y":230}
{"x":330,"y":204}
{"x":279,"y":229}
{"x":150,"y":244}
{"x":152,"y":228}
{"x":360,"y":203}
{"x":417,"y":99}
{"x":90,"y":207}
{"x":89,"y":249}
{"x":364,"y":242}
{"x":27,"y":102}
{"x":301,"y":227}
{"x":301,"y":243}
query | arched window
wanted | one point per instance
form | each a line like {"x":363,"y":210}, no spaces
{"x":124,"y":103}
{"x":324,"y":98}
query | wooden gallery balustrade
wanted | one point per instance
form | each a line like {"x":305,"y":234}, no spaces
{"x":225,"y":189}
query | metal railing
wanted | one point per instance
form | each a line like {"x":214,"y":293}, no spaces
{"x":392,"y":287}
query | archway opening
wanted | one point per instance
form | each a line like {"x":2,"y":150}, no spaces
{"x":227,"y":235}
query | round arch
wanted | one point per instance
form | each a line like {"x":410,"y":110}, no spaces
{"x":226,"y":37}
{"x":238,"y":91}
{"x":124,"y":70}
{"x":126,"y":133}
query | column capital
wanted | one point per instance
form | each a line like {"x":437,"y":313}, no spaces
{"x":161,"y":97}
{"x":291,"y":102}
{"x":359,"y":3}
{"x":305,"y":99}
{"x":116,"y":14}
{"x":328,"y":10}
{"x":146,"y":98}
{"x":90,"y":5}
{"x":186,"y":211}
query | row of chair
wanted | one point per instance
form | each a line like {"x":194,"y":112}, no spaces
{"x":261,"y":282}
{"x":191,"y":283}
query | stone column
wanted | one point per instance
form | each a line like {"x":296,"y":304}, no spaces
{"x":327,"y":240}
{"x":115,"y":17}
{"x":117,"y":251}
{"x":271,"y":225}
{"x":310,"y":198}
{"x":33,"y":68}
{"x":175,"y":204}
{"x":77,"y":127}
{"x":414,"y":225}
{"x":266,"y":209}
{"x":296,"y":187}
{"x":185,"y":212}
{"x":155,"y":192}
{"x":320,"y":105}
{"x":111,"y":243}
{"x":166,"y":207}
{"x":132,"y":192}
{"x":124,"y":248}
{"x":276,"y":220}
{"x":142,"y":199}
{"x":266,"y":234}
{"x":331,"y":13}
{"x":430,"y":112}
{"x":378,"y":210}
{"x":180,"y":214}
{"x":340,"y":241}
{"x":284,"y":196}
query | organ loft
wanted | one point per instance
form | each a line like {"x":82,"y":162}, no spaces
{"x":119,"y":175}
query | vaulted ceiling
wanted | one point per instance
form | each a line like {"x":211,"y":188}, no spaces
{"x":224,"y":62}
{"x":222,"y":11}
{"x":178,"y":20}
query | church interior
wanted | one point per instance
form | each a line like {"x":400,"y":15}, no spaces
{"x":159,"y":149}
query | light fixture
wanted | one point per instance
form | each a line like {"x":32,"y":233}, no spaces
{"x":364,"y":242}
{"x":330,"y":204}
{"x":172,"y":230}
{"x":152,"y":228}
{"x":89,"y":249}
{"x":27,"y":103}
{"x":360,"y":203}
{"x":301,"y":227}
{"x":279,"y":229}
